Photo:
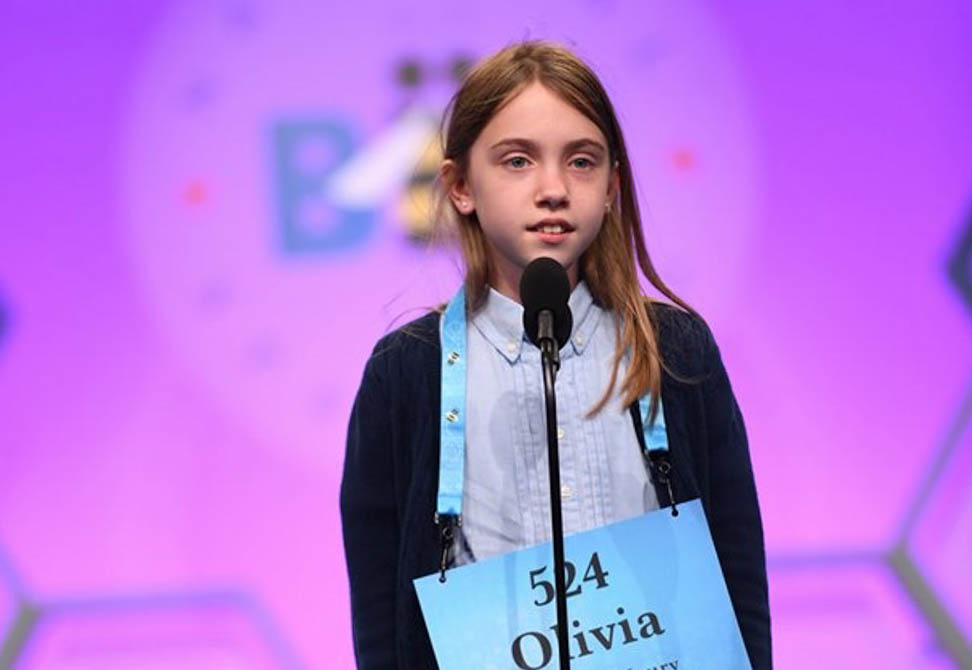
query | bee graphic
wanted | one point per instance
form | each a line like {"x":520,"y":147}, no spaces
{"x":409,"y":151}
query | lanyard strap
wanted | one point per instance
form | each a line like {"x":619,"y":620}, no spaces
{"x":656,"y":435}
{"x":452,"y":422}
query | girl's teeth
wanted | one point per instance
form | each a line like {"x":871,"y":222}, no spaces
{"x":552,"y":229}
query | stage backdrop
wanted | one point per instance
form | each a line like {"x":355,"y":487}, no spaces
{"x":209,"y":212}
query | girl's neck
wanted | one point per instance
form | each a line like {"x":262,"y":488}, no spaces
{"x":510,"y":287}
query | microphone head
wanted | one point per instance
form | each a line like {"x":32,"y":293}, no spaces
{"x":544,"y":285}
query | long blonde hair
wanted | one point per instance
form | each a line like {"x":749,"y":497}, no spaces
{"x":608,"y":265}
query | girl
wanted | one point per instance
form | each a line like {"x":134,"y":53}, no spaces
{"x":534,"y":165}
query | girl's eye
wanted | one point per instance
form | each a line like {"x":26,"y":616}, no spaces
{"x":583,"y":163}
{"x":517,"y":161}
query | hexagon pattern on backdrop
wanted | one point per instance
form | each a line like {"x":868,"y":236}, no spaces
{"x":934,"y":553}
{"x":849,"y":614}
{"x":934,"y":557}
{"x":196,"y":631}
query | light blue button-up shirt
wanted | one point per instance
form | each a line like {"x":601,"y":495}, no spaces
{"x":506,"y":495}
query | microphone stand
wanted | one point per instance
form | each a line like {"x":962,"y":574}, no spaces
{"x":550,"y":359}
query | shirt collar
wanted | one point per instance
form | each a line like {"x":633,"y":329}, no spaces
{"x":500,"y":321}
{"x":586,"y":315}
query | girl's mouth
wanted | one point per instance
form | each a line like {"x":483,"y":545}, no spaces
{"x":552,"y":229}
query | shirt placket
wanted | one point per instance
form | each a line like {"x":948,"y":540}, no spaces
{"x":569,"y":476}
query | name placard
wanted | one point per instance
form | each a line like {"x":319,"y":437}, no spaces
{"x":642,"y":594}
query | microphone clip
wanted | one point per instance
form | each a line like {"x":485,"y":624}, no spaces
{"x":546,"y":339}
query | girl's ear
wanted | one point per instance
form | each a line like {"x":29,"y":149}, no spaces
{"x":457,"y":188}
{"x":614,"y":183}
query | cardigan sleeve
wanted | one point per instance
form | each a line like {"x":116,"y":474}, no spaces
{"x":370,"y":525}
{"x":734,"y":517}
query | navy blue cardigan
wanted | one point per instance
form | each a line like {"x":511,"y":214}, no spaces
{"x":391,"y":467}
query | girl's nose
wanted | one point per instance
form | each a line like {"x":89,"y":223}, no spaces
{"x":552,"y":188}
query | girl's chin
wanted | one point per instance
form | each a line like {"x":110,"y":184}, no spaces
{"x":561,"y":256}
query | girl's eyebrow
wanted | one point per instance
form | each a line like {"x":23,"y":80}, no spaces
{"x":530,"y":145}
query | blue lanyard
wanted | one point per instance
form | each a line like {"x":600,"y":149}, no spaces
{"x":452,"y":422}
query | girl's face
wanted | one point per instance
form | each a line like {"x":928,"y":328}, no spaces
{"x":540,"y":181}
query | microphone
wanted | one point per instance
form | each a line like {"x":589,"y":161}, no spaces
{"x":544,"y":291}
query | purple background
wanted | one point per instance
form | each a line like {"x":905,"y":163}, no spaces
{"x":175,"y":378}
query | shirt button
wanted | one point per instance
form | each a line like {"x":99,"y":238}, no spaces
{"x":560,"y":432}
{"x":511,"y":347}
{"x":566,"y":491}
{"x":579,"y":339}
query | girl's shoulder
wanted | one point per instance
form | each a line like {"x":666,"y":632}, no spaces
{"x":685,"y":341}
{"x":412,"y":337}
{"x":411,"y":349}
